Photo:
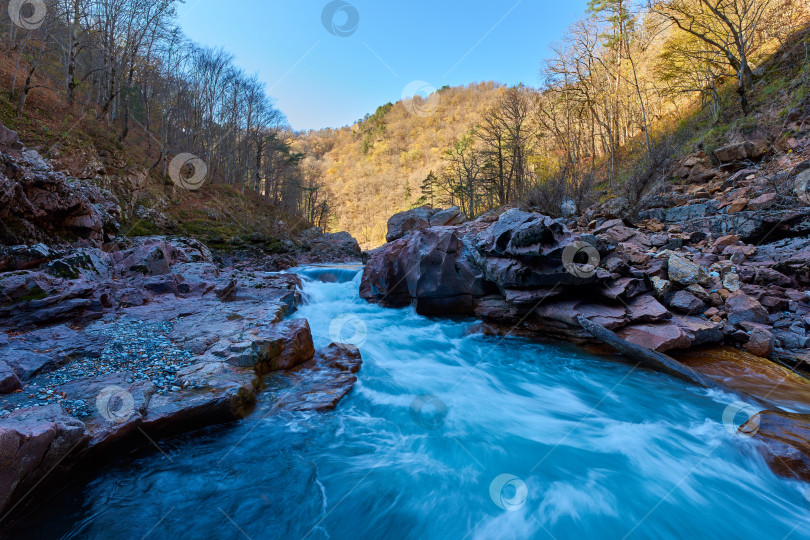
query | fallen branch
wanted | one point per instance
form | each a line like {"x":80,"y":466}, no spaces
{"x":646,"y":357}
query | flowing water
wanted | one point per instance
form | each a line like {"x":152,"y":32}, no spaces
{"x":448,"y":436}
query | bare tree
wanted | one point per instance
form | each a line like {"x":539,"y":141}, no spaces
{"x":728,"y":26}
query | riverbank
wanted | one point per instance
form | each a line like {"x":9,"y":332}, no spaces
{"x":652,"y":286}
{"x":447,"y":433}
{"x":108,"y":343}
{"x":160,"y":344}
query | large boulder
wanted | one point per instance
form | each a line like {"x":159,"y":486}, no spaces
{"x":527,"y":257}
{"x":528,"y":251}
{"x":282,"y":345}
{"x":384,"y":275}
{"x":524,"y":235}
{"x":33,"y":441}
{"x":752,"y":149}
{"x":742,"y":308}
{"x":434,"y":268}
{"x":153,"y":256}
{"x":422,"y":218}
{"x":333,"y":247}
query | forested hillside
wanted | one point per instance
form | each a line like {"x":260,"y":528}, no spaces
{"x":378,"y":166}
{"x":113,"y":92}
{"x":625,"y":92}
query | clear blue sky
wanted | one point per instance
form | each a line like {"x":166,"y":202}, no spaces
{"x":323,"y":80}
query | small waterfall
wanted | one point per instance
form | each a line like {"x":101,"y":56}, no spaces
{"x":330,"y":273}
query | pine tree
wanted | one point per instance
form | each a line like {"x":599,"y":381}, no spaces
{"x":428,"y":188}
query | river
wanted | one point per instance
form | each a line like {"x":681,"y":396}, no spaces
{"x":447,"y":435}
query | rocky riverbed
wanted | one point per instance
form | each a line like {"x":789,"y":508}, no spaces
{"x":110,"y":343}
{"x":646,"y":287}
{"x":144,"y":343}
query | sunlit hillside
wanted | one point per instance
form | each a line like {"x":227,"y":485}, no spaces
{"x":376,"y":167}
{"x":620,"y":97}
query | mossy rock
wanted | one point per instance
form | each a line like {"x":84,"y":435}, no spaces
{"x":62,"y":269}
{"x":142,"y":228}
{"x":36,"y":293}
{"x":276,"y":247}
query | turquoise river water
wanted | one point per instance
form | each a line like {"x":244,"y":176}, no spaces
{"x":447,"y":436}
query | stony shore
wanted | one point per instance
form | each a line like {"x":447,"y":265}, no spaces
{"x":110,"y":343}
{"x":647,"y":287}
{"x":141,"y":344}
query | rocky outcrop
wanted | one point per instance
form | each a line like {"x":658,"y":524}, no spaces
{"x":209,"y":393}
{"x":525,"y":267}
{"x":34,"y":441}
{"x":746,"y":150}
{"x":83,"y":284}
{"x":38,"y":204}
{"x":654,"y":285}
{"x":139,"y":340}
{"x":323,"y":381}
{"x":332,"y":247}
{"x":447,"y":270}
{"x":266,"y":347}
{"x":523,"y":251}
{"x":434,"y":268}
{"x":117,"y":405}
{"x":422,"y":218}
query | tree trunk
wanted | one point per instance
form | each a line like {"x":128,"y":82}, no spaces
{"x":74,"y":42}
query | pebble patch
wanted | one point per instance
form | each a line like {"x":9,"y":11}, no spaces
{"x":139,"y":347}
